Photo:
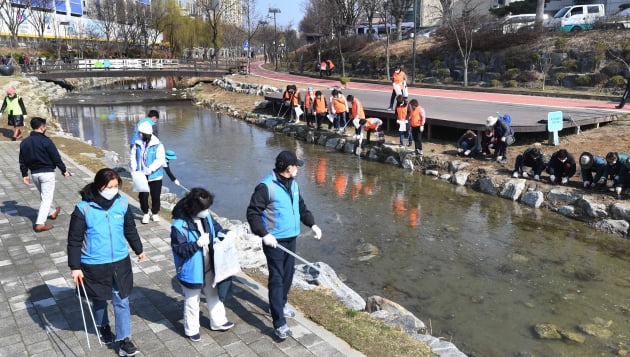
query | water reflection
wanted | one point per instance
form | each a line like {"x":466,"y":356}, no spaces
{"x":483,"y":270}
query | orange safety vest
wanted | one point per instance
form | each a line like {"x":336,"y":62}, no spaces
{"x":330,"y":64}
{"x":295,"y":101}
{"x":339,"y":104}
{"x":401,"y":112}
{"x":357,"y":109}
{"x":372,"y":123}
{"x":399,"y":77}
{"x":308,"y":100}
{"x":319,"y":105}
{"x":416,"y":117}
{"x":323,"y":65}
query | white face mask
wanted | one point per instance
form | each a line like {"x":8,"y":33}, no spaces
{"x":613,"y":162}
{"x":109,"y":193}
{"x":203,"y":214}
{"x":563,"y":160}
{"x":293,"y":171}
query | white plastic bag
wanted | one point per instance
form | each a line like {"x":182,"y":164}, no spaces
{"x":140,"y":183}
{"x":298,"y":111}
{"x":402,"y":125}
{"x":330,"y":117}
{"x":226,"y":263}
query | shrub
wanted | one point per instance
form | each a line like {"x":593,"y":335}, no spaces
{"x":560,"y":77}
{"x":536,"y":57}
{"x":495,"y":83}
{"x":481,"y":70}
{"x":561,"y":44}
{"x":447,"y":80}
{"x":512,"y":73}
{"x":344,"y":80}
{"x":443,"y":72}
{"x":420,"y":76}
{"x":569,"y":64}
{"x":473,"y":65}
{"x":512,"y":83}
{"x":583,"y":81}
{"x":617,"y":81}
{"x":527,"y":76}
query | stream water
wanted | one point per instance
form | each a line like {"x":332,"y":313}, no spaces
{"x":481,"y":271}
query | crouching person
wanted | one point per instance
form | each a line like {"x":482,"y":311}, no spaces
{"x":561,"y":167}
{"x":531,"y":157}
{"x":592,"y":164}
{"x":192,"y":234}
{"x":468,"y":144}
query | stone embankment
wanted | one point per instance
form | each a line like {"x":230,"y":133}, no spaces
{"x":598,"y":210}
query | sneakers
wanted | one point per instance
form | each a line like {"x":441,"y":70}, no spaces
{"x":515,"y":174}
{"x":389,"y":108}
{"x":155,"y":218}
{"x":283,"y":332}
{"x":106,"y":334}
{"x":288,"y":312}
{"x":226,"y":326}
{"x":195,"y":338}
{"x":127,"y":348}
{"x":536,"y":177}
{"x":525,"y":174}
{"x":146,"y":218}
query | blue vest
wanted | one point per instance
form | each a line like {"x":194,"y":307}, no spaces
{"x":105,"y":234}
{"x":282,"y":217}
{"x":151,"y":154}
{"x":191,"y":270}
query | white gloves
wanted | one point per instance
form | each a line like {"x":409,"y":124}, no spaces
{"x":146,"y":172}
{"x":610,"y":184}
{"x":515,"y":174}
{"x":504,"y":139}
{"x":601,"y":181}
{"x":587,"y":184}
{"x":177,"y":182}
{"x":565,"y":180}
{"x":203,"y":240}
{"x":317,"y":231}
{"x":270,"y":240}
{"x":552,"y":178}
{"x":467,"y":152}
{"x":460,"y":150}
{"x":617,"y":178}
{"x":421,"y":128}
{"x":490,"y":146}
{"x":536,"y":177}
{"x":525,"y":174}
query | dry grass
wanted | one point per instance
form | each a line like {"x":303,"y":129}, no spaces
{"x":357,"y":328}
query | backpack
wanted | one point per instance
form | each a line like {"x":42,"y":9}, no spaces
{"x":510,"y":133}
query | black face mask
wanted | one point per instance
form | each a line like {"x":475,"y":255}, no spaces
{"x":146,"y":137}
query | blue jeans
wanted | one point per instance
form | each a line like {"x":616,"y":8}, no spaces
{"x":122,"y":314}
{"x":280,"y":265}
{"x":473,"y":149}
{"x":340,"y":120}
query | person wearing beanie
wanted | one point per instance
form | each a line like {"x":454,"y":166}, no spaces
{"x":531,"y":157}
{"x":275,"y":212}
{"x":152,"y":118}
{"x":592,"y":164}
{"x":16,"y":112}
{"x":561,"y":167}
{"x":148,"y":156}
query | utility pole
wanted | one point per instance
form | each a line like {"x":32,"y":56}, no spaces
{"x":274,"y":11}
{"x":413,"y":33}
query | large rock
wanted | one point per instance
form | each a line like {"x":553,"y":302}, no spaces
{"x":332,"y":142}
{"x":487,"y":185}
{"x":595,"y":330}
{"x":307,"y":278}
{"x":456,"y":165}
{"x":618,"y":226}
{"x":512,"y":189}
{"x":586,"y":207}
{"x":392,"y":313}
{"x":562,"y":195}
{"x":438,"y":346}
{"x":533,"y":198}
{"x":460,"y":177}
{"x":620,"y":211}
{"x":547,"y":332}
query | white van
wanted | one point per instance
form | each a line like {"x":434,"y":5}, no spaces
{"x":576,"y":17}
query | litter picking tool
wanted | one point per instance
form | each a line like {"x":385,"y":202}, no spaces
{"x":87,"y":336}
{"x":182,"y":186}
{"x":298,"y":257}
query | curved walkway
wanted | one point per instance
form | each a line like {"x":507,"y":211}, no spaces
{"x":40,"y":314}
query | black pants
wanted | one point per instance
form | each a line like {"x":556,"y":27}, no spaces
{"x":417,"y":137}
{"x":155,"y":188}
{"x":625,"y":95}
{"x":319,"y":119}
{"x":280,"y":265}
{"x":520,"y":165}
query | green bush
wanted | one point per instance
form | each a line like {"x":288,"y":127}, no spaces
{"x":569,"y":64}
{"x":617,"y":81}
{"x":512,"y":73}
{"x":344,"y":80}
{"x":443,"y":72}
{"x":561,"y":44}
{"x":583,"y":81}
{"x":536,"y":57}
{"x":420,"y":77}
{"x":495,"y":83}
{"x":560,"y":76}
{"x":512,"y":83}
{"x":481,"y":70}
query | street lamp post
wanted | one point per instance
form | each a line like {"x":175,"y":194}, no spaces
{"x":274,"y":11}
{"x":413,"y":33}
{"x":264,"y":23}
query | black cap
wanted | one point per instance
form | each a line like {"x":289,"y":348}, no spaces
{"x":287,"y":158}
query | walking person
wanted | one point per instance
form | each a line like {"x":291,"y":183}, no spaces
{"x":416,"y":118}
{"x":274,"y":213}
{"x":193,"y":232}
{"x":101,"y":229}
{"x":625,"y":95}
{"x":16,"y":112}
{"x":148,"y":156}
{"x":39,"y":155}
{"x":152,"y":118}
{"x":330,"y":67}
{"x":399,"y":84}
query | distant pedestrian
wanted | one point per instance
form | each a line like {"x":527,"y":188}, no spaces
{"x":561,"y":167}
{"x":16,"y":112}
{"x":148,"y":156}
{"x":39,"y":155}
{"x":193,"y":233}
{"x":101,"y":229}
{"x":151,"y":118}
{"x":322,"y":69}
{"x":399,"y":84}
{"x":625,"y":95}
{"x":275,"y":212}
{"x":330,"y":67}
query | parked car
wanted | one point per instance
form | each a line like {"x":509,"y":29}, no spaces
{"x":576,"y":17}
{"x":620,"y":21}
{"x":515,"y":23}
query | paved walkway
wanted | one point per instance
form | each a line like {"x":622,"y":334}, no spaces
{"x":40,"y":315}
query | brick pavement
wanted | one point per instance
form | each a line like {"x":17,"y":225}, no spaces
{"x":40,"y":315}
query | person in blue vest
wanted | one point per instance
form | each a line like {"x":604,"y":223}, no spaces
{"x":274,"y":213}
{"x":101,"y":230}
{"x":592,"y":164}
{"x":152,"y":118}
{"x":193,"y":232}
{"x":148,"y":156}
{"x":16,"y":112}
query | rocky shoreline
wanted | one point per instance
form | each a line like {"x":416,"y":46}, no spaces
{"x":599,"y":211}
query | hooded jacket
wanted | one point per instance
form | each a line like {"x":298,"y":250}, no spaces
{"x":98,"y":235}
{"x":156,"y":157}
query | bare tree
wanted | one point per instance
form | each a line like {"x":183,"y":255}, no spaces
{"x":462,"y":20}
{"x":157,"y":24}
{"x":370,"y":8}
{"x":13,"y":15}
{"x":344,"y":15}
{"x":41,"y":15}
{"x":400,"y":8}
{"x":213,"y":12}
{"x":106,"y":12}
